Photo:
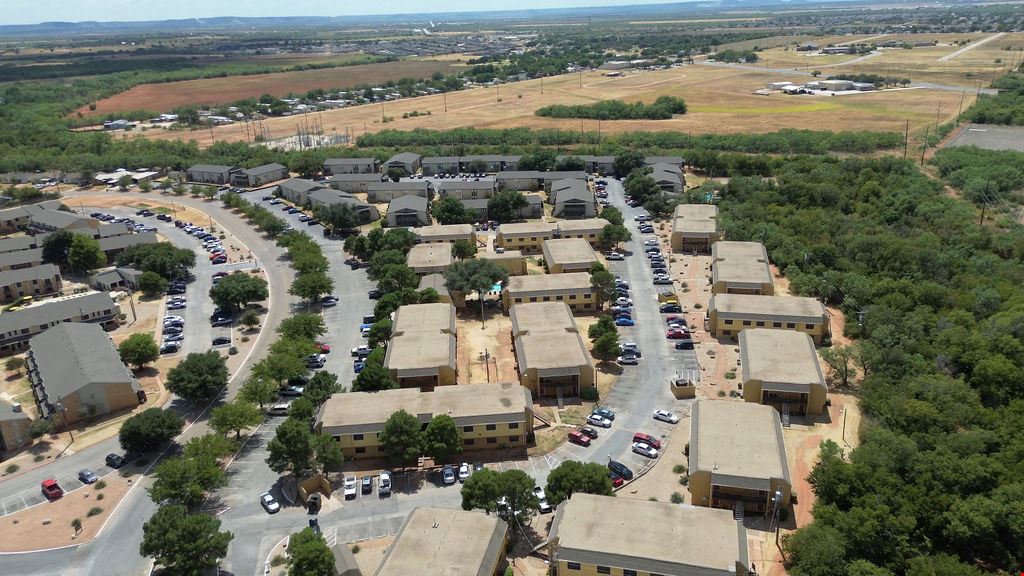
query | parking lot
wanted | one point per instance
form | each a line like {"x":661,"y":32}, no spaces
{"x":11,"y":503}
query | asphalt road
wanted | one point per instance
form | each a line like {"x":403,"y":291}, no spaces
{"x":115,"y":551}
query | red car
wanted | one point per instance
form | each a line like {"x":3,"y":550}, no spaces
{"x":220,"y":274}
{"x":647,"y":439}
{"x":675,"y":320}
{"x":51,"y":489}
{"x":675,"y":334}
{"x":577,"y":437}
{"x":324,"y":348}
{"x":616,"y":479}
{"x":216,"y":255}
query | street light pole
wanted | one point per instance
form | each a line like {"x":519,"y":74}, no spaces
{"x":64,"y":412}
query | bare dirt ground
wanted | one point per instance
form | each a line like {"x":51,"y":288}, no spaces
{"x":474,"y":341}
{"x":720,"y":100}
{"x":48,"y":525}
{"x":169,"y":95}
{"x":371,"y":553}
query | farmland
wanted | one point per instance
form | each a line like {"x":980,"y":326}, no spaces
{"x":167,"y":96}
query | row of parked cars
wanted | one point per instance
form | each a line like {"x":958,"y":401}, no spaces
{"x":211,"y":243}
{"x":132,"y":224}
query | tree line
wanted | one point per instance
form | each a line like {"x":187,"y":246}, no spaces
{"x":1006,"y":107}
{"x":661,"y":109}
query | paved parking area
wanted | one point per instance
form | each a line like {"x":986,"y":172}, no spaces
{"x":14,"y":502}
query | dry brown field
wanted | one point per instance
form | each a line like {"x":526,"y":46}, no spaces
{"x":167,"y":96}
{"x":720,"y":100}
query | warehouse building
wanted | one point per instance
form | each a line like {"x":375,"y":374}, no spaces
{"x":740,"y":268}
{"x":593,"y":534}
{"x":568,"y":255}
{"x":694,"y":228}
{"x":550,"y":351}
{"x":572,"y":288}
{"x":421,"y":352}
{"x":780,"y":368}
{"x":729,"y":314}
{"x":446,"y":541}
{"x":737,"y":457}
{"x":488,"y":416}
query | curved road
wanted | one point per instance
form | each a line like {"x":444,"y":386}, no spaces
{"x":115,"y":551}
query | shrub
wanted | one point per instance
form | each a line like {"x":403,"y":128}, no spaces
{"x":677,"y":498}
{"x":278,"y":561}
{"x":589,"y":394}
{"x":232,"y":351}
{"x":40,"y":428}
{"x":721,"y":393}
{"x":684,"y":480}
{"x":698,"y":305}
{"x":76,"y":524}
{"x":99,"y":496}
{"x":679,"y":469}
{"x":730,"y":375}
{"x":245,"y":338}
{"x":355,"y":549}
{"x":94,"y":511}
{"x":38,"y":458}
{"x":101,"y":484}
{"x":11,"y":469}
{"x":652,"y":499}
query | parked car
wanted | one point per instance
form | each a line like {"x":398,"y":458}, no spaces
{"x":597,"y":420}
{"x":666,"y":416}
{"x":628,"y":359}
{"x":667,"y":308}
{"x":577,"y":437}
{"x":675,"y":320}
{"x":51,"y":489}
{"x":367,"y":484}
{"x":292,"y":391}
{"x":631,"y":347}
{"x":647,"y":439}
{"x":115,"y":461}
{"x":349,"y":485}
{"x":219,"y":260}
{"x":358,"y":366}
{"x":170,"y":347}
{"x":448,"y":474}
{"x":222,"y":341}
{"x":644,"y":450}
{"x":328,"y":301}
{"x":269,"y":503}
{"x":384,"y":484}
{"x":604,"y":413}
{"x":316,"y":361}
{"x":464,"y":472}
{"x":279,"y":409}
{"x":375,"y":294}
{"x":622,"y":321}
{"x":662,"y":280}
{"x":614,"y":256}
{"x":172,"y":329}
{"x":173,"y":337}
{"x":675,"y":334}
{"x":588,"y":431}
{"x":87,"y":476}
{"x":220,"y":321}
{"x":361,"y":349}
{"x":219,"y":274}
{"x":620,"y":469}
{"x":616,"y":479}
{"x":684,"y":345}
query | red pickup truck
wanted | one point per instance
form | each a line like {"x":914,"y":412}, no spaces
{"x":51,"y":489}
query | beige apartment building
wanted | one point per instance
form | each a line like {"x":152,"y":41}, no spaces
{"x":446,"y":541}
{"x":588,"y":229}
{"x":445,"y":233}
{"x":512,"y":261}
{"x":695,"y":228}
{"x":488,"y":415}
{"x":430,"y":258}
{"x":37,"y":281}
{"x":527,"y":237}
{"x":572,"y":288}
{"x":551,"y":355}
{"x":568,"y":255}
{"x":729,"y":314}
{"x":421,"y":352}
{"x":780,"y":368}
{"x":740,"y":268}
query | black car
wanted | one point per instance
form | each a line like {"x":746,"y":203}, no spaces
{"x":164,"y":217}
{"x":375,"y":293}
{"x":620,"y":469}
{"x":588,"y":431}
{"x":220,"y":321}
{"x":175,"y":290}
{"x":115,"y":460}
{"x":222,"y":340}
{"x":684,"y":344}
{"x":367,"y":484}
{"x":266,"y":198}
{"x":670,"y":308}
{"x":298,"y":381}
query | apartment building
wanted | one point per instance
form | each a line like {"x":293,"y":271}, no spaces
{"x":44,"y":221}
{"x":421,"y":352}
{"x":17,"y":218}
{"x":209,"y":174}
{"x":527,"y":237}
{"x":21,"y":259}
{"x":594,"y":164}
{"x":36,"y":281}
{"x":353,"y":183}
{"x":74,"y":369}
{"x":737,"y":457}
{"x":388,"y":191}
{"x":408,"y":211}
{"x":334,"y":166}
{"x":668,"y":177}
{"x":445,"y":233}
{"x":430,"y":258}
{"x":568,"y":255}
{"x":572,"y":288}
{"x":534,"y":179}
{"x":14,"y":425}
{"x":407,"y":162}
{"x":740,"y":268}
{"x":694,"y":228}
{"x":259,"y":176}
{"x":780,"y":368}
{"x":550,"y":352}
{"x":447,"y":541}
{"x":433,"y":165}
{"x":438,"y":284}
{"x":593,"y":535}
{"x":588,"y":228}
{"x":572,"y":199}
{"x":484,"y":188}
{"x":18,"y":326}
{"x":511,"y":260}
{"x":488,"y":416}
{"x":729,"y":314}
{"x":324,"y":197}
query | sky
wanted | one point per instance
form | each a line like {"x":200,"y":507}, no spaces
{"x":35,"y":11}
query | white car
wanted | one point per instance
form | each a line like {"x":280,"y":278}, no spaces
{"x":448,"y":475}
{"x":650,"y":242}
{"x":539,"y":493}
{"x":350,"y":487}
{"x":644,"y":450}
{"x":628,"y":358}
{"x":621,"y":301}
{"x":384,"y":484}
{"x":614,"y":256}
{"x":362,"y":348}
{"x":598,"y":420}
{"x":269,"y":503}
{"x":464,"y":471}
{"x":666,"y":416}
{"x":173,"y":318}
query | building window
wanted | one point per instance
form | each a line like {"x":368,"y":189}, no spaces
{"x":790,"y":325}
{"x":518,"y":300}
{"x":533,"y":299}
{"x":492,"y":440}
{"x":776,"y":324}
{"x":760,"y":324}
{"x":572,"y":565}
{"x":547,"y":298}
{"x":809,"y":326}
{"x":357,"y":437}
{"x":604,"y":570}
{"x":513,"y":438}
{"x":468,"y":442}
{"x":746,"y":322}
{"x":728,"y":322}
{"x":513,"y":425}
{"x":361,"y":450}
{"x":628,"y":572}
{"x":467,"y":428}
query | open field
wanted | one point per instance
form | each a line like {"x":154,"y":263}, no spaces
{"x":720,"y":100}
{"x":167,"y":96}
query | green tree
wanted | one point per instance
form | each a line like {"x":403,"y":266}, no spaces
{"x":237,"y":290}
{"x":441,"y":439}
{"x":199,"y":375}
{"x":56,"y":247}
{"x":160,"y":257}
{"x":124,"y":182}
{"x":85,"y":254}
{"x":449,"y":210}
{"x":612,"y":235}
{"x":184,"y":543}
{"x":235,"y":416}
{"x":149,"y":430}
{"x":571,"y":164}
{"x":606,"y":348}
{"x":186,"y":481}
{"x":397,"y":277}
{"x":627,"y":162}
{"x":401,"y":438}
{"x":15,"y":364}
{"x":475,"y":275}
{"x":328,"y":454}
{"x":505,"y":205}
{"x":279,"y":368}
{"x":311,"y":286}
{"x":394,"y":173}
{"x":338,"y":217}
{"x":152,"y":284}
{"x":603,"y":283}
{"x":302,"y":326}
{"x":605,"y":324}
{"x":641,"y":186}
{"x":139,"y":349}
{"x":816,"y":550}
{"x":463,"y":249}
{"x":485,"y":488}
{"x":250,"y":319}
{"x":379,"y":333}
{"x":291,"y":448}
{"x":476,"y":166}
{"x":308,"y":555}
{"x":542,"y":160}
{"x":572,"y":476}
{"x":258,"y":390}
{"x":321,"y":386}
{"x":208,"y":446}
{"x":840,"y":363}
{"x":612,"y":215}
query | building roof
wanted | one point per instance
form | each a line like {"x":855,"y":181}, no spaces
{"x":59,"y":218}
{"x":126,"y":241}
{"x":446,"y":542}
{"x":404,"y":157}
{"x":537,"y":283}
{"x":546,"y":337}
{"x":779,"y":356}
{"x":655,"y":537}
{"x":792,"y":308}
{"x":412,"y":202}
{"x":430,"y":255}
{"x":568,"y":251}
{"x":115,"y":274}
{"x":265,"y":169}
{"x":209,"y":168}
{"x":9,"y":414}
{"x":739,"y":442}
{"x":417,"y":185}
{"x":444,"y":230}
{"x":540,"y":175}
{"x":527,"y":228}
{"x":582,"y":225}
{"x":440,"y":160}
{"x":300,"y":185}
{"x":16,"y":243}
{"x":361,"y":177}
{"x":481,"y":184}
{"x":695,"y":219}
{"x":9,"y":259}
{"x":55,"y":310}
{"x":740,"y":262}
{"x":674,"y":160}
{"x":423,"y":338}
{"x":70,"y":356}
{"x":506,"y":255}
{"x":492,"y":157}
{"x":467,"y":404}
{"x":349,"y":161}
{"x":42,"y":272}
{"x":112,"y":229}
{"x":435,"y":281}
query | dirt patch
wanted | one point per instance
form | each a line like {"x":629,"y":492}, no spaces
{"x":484,"y":351}
{"x":48,"y":525}
{"x":169,"y":95}
{"x":371,"y":553}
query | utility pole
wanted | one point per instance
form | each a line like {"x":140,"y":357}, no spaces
{"x":541,"y":84}
{"x":444,"y":97}
{"x":961,"y":107}
{"x":937,"y":109}
{"x":381,"y":111}
{"x":924,"y":145}
{"x":906,"y":138}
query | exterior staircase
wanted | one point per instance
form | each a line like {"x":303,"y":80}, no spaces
{"x":737,"y":511}
{"x":785,"y":415}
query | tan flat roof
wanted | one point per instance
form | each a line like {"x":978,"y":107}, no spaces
{"x":468,"y":404}
{"x":437,"y":317}
{"x":568,"y":251}
{"x":779,"y":356}
{"x":444,"y":230}
{"x":654,"y":537}
{"x":583,"y":225}
{"x":526,"y":228}
{"x":568,"y":282}
{"x":695,"y":219}
{"x":547,"y":338}
{"x":793,"y":308}
{"x":506,"y":255}
{"x":430,"y":255}
{"x":423,"y":339}
{"x":729,"y":250}
{"x":446,"y":542}
{"x":738,"y":439}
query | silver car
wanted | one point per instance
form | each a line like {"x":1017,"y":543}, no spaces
{"x":269,"y":503}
